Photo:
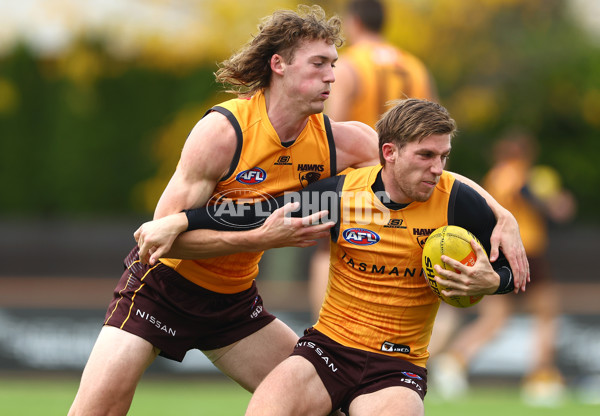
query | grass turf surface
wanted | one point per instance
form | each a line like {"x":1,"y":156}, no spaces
{"x":217,"y":396}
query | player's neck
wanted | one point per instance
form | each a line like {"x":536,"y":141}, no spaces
{"x":390,"y":186}
{"x":287,"y":121}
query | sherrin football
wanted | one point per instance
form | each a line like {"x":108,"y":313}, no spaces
{"x":454,"y":242}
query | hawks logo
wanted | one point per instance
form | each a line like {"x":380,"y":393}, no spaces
{"x":306,"y":178}
{"x":309,"y":173}
{"x":422,"y":234}
{"x":251,"y":176}
{"x":360,"y":236}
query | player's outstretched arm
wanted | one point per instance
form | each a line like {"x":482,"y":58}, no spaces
{"x":506,"y":236}
{"x":282,"y":230}
{"x":160,"y":238}
{"x":166,"y":237}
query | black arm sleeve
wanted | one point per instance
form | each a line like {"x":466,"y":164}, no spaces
{"x":229,"y":216}
{"x":470,"y":211}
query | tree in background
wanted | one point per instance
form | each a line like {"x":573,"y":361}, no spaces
{"x":84,"y":130}
{"x":512,"y":62}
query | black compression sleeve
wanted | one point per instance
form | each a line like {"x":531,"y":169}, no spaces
{"x":229,"y":216}
{"x":507,"y":283}
{"x":472,"y":212}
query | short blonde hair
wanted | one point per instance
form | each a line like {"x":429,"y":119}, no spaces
{"x":412,"y":120}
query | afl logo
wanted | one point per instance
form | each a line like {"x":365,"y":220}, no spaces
{"x":360,"y":236}
{"x":411,"y":375}
{"x":251,"y":176}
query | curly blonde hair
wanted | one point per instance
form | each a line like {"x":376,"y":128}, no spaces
{"x":249,"y":70}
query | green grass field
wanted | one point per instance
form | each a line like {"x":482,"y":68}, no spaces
{"x":221,"y":397}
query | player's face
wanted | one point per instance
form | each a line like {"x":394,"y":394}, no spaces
{"x":308,"y":78}
{"x":418,"y":167}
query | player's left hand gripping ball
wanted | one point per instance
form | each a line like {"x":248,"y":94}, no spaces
{"x":454,"y":242}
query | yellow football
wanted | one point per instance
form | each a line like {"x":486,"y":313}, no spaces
{"x":454,"y":242}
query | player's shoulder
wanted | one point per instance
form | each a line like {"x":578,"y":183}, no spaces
{"x":356,"y":144}
{"x":410,"y":57}
{"x":213,"y":135}
{"x":468,"y":199}
{"x":214,"y":125}
{"x":351,"y":131}
{"x":463,"y":190}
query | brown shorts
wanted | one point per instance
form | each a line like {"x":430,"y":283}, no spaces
{"x":349,"y":372}
{"x":175,"y":315}
{"x":539,"y":271}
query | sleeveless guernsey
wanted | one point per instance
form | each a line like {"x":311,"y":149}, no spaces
{"x":262,"y":167}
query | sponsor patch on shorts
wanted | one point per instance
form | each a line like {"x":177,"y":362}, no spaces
{"x":391,"y":347}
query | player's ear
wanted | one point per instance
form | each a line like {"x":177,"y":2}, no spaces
{"x":277,"y":64}
{"x":390,"y":152}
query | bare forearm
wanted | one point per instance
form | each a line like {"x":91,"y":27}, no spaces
{"x":163,"y":238}
{"x":200,"y":244}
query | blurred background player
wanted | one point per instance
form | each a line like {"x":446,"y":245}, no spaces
{"x":369,"y":73}
{"x":534,"y":194}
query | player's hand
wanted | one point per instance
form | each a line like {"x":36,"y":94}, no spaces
{"x":280,"y":230}
{"x":478,"y":279}
{"x":155,"y":238}
{"x":506,"y":236}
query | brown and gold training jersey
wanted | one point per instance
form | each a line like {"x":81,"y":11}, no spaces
{"x":263,"y":167}
{"x":378,"y":299}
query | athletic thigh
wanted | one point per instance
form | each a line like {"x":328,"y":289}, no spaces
{"x":293,"y":388}
{"x":391,"y":401}
{"x":249,"y":360}
{"x":112,"y":373}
